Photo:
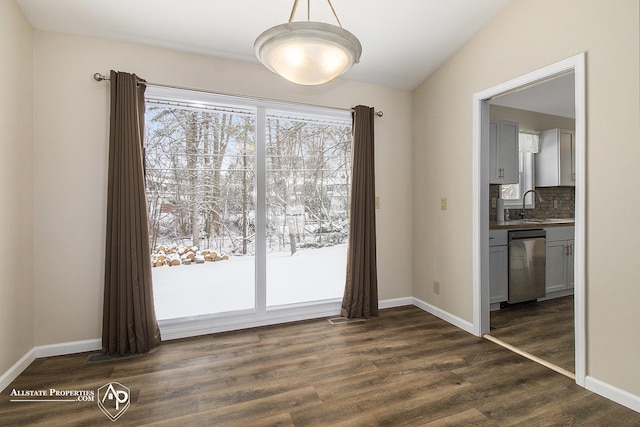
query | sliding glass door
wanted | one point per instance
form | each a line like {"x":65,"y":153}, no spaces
{"x":220,"y":246}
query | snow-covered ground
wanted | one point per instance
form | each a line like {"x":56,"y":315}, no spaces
{"x":222,"y":286}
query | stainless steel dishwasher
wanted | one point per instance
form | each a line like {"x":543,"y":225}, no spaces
{"x":527,"y":265}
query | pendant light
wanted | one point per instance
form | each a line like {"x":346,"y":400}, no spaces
{"x":308,"y":52}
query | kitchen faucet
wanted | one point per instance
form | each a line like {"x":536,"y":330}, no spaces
{"x":523,"y":198}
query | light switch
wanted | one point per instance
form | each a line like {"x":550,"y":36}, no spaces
{"x":377,"y":202}
{"x":443,"y":203}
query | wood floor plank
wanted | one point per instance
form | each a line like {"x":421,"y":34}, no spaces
{"x":470,"y":417}
{"x":245,"y":413}
{"x":544,"y":329}
{"x":403,"y":368}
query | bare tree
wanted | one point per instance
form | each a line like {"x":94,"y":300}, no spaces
{"x":201,"y":179}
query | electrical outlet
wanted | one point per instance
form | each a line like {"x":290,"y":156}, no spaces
{"x":494,"y":202}
{"x":377,"y":202}
{"x":436,"y":287}
{"x":443,"y":203}
{"x":555,"y":204}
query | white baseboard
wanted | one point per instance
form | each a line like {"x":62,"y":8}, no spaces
{"x":622,"y":397}
{"x":444,"y":315}
{"x":17,"y":368}
{"x":396,"y":302}
{"x":68,"y":348}
{"x":47,"y":351}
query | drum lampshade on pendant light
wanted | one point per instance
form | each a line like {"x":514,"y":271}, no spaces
{"x":308,"y":52}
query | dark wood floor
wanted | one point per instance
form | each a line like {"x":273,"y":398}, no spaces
{"x":404,"y":368}
{"x":544,"y":329}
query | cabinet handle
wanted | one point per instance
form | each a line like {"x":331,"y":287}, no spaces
{"x":569,"y":250}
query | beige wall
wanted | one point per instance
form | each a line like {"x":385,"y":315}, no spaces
{"x":71,"y":136}
{"x":16,"y":186}
{"x":528,"y":35}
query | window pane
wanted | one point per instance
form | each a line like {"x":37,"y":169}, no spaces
{"x":511,"y":191}
{"x":515,"y":191}
{"x":200,"y":193}
{"x":307,"y":207}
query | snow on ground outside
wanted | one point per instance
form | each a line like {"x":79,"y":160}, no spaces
{"x":222,"y":286}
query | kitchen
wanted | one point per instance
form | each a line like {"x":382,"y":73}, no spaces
{"x":531,"y":220}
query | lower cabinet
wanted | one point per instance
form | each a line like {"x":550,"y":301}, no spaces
{"x":498,"y":266}
{"x":559,"y":262}
{"x":559,"y":269}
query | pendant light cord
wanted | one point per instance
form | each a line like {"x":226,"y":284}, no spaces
{"x":334,"y":13}
{"x":294,"y":10}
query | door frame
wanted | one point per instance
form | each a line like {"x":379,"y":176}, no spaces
{"x":480,"y":205}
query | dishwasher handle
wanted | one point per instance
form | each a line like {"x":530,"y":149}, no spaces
{"x":527,"y":234}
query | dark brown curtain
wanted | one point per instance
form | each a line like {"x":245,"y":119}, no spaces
{"x":361,"y":289}
{"x":129,"y":321}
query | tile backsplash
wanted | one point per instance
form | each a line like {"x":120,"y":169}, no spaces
{"x":564,"y":195}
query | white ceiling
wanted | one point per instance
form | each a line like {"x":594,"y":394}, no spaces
{"x":403,"y":41}
{"x":555,"y":96}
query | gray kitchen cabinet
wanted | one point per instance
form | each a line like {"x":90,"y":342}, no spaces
{"x":498,"y":266}
{"x":555,"y":162}
{"x":559,"y":267}
{"x":504,"y":165}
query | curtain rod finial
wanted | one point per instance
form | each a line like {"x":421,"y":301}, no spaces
{"x":99,"y":77}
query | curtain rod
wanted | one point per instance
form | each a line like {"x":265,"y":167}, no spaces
{"x":100,"y":77}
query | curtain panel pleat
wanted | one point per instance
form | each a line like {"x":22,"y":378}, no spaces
{"x":129,"y":320}
{"x":361,"y":288}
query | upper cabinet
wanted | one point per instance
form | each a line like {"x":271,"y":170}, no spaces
{"x":555,"y":162}
{"x":503,"y":152}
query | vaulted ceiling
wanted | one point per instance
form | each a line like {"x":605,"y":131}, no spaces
{"x":403,"y":41}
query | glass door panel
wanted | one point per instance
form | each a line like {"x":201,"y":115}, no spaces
{"x":200,"y":179}
{"x":308,"y":168}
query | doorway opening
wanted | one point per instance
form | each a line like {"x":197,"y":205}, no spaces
{"x":482,"y":104}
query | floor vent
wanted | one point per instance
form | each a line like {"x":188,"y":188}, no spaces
{"x":342,"y":320}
